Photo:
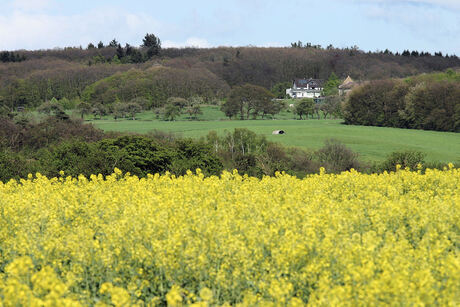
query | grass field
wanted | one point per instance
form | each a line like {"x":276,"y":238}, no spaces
{"x":372,"y":143}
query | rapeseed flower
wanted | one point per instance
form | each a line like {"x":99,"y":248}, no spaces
{"x":327,"y":239}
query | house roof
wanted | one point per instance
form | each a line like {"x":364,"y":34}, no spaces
{"x":310,"y":81}
{"x":347,"y":80}
{"x":348,"y":83}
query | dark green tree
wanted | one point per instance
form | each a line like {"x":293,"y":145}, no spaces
{"x":150,"y":40}
{"x":279,"y":89}
{"x":136,"y":56}
{"x":331,"y":87}
{"x":132,"y":55}
{"x":230,"y":108}
{"x":138,"y":155}
{"x":153,"y":45}
{"x":120,"y":52}
{"x":129,"y":49}
{"x":191,"y":154}
{"x":5,"y":56}
{"x":113,"y":43}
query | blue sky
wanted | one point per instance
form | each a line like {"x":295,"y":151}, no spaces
{"x":428,"y":25}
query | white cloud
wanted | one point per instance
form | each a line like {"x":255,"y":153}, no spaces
{"x":434,"y":21}
{"x":27,"y":30}
{"x":434,"y":24}
{"x":190,"y":42}
{"x":31,"y":5}
{"x":446,"y":4}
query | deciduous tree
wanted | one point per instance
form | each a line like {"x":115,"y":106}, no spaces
{"x":171,"y":112}
{"x":84,"y":108}
{"x":248,"y":99}
{"x":305,"y":107}
{"x":132,"y":108}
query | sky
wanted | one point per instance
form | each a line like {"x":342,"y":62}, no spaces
{"x":372,"y":25}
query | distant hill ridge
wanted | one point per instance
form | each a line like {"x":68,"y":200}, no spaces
{"x":65,"y":73}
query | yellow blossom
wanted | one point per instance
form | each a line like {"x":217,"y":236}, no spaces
{"x":346,"y":239}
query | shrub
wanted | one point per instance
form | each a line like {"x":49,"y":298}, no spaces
{"x":75,"y":158}
{"x":190,"y":155}
{"x":15,"y":166}
{"x":336,"y":157}
{"x":10,"y":134}
{"x":273,"y":159}
{"x":302,"y":162}
{"x":53,"y":130}
{"x":137,"y":154}
{"x":25,"y":134}
{"x":409,"y":158}
{"x":247,"y":164}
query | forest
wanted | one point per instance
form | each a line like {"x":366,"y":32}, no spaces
{"x":95,"y":74}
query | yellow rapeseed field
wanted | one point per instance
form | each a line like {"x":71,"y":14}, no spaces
{"x":329,"y":240}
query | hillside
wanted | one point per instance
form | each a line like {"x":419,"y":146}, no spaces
{"x":66,"y":73}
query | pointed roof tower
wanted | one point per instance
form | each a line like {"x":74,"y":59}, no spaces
{"x":347,"y":80}
{"x":347,"y":84}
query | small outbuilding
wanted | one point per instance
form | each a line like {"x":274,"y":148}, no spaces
{"x":278,"y":132}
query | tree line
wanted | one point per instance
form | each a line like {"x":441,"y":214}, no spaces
{"x":150,"y":47}
{"x":68,"y":71}
{"x":156,"y":85}
{"x":41,"y":80}
{"x":430,"y":102}
{"x":7,"y":56}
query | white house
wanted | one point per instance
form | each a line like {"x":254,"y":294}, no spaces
{"x":306,"y":88}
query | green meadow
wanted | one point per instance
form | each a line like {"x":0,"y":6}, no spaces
{"x":372,"y":143}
